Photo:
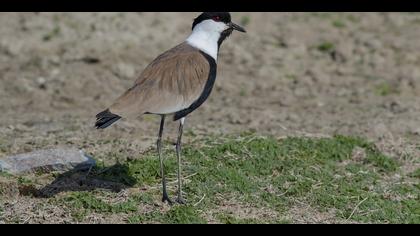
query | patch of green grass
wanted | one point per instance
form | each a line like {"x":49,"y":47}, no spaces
{"x":242,"y":92}
{"x":145,"y":197}
{"x":415,"y":174}
{"x":291,"y":77}
{"x":182,"y":215}
{"x":24,"y":181}
{"x":326,"y":47}
{"x":403,"y":207}
{"x":299,"y":167}
{"x":146,"y":171}
{"x":176,"y":215}
{"x":295,"y":168}
{"x":6,"y":175}
{"x":52,"y":34}
{"x":386,"y":89}
{"x":264,"y":173}
{"x":353,"y":19}
{"x":339,"y":24}
{"x":228,"y":219}
{"x":322,"y":15}
{"x":381,"y":161}
{"x":245,"y":20}
{"x":83,"y":203}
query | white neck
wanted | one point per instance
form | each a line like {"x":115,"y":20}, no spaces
{"x":205,"y":37}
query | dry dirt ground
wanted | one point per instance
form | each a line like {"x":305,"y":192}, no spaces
{"x":292,"y":74}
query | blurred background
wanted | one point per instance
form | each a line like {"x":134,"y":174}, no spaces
{"x":315,"y":74}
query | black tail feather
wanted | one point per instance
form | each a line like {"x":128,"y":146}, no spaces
{"x":105,"y":119}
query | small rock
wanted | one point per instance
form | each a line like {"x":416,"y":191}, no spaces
{"x":46,"y":161}
{"x":416,"y":132}
{"x":41,"y":82}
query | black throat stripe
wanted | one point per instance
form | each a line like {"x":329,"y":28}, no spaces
{"x":206,"y":92}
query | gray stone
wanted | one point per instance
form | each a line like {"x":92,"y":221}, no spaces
{"x":47,"y":161}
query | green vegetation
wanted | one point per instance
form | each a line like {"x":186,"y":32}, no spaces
{"x":415,"y":174}
{"x":176,"y":215}
{"x":6,"y":175}
{"x":263,"y":173}
{"x":83,"y":203}
{"x":243,"y":92}
{"x":52,"y":34}
{"x":326,"y":47}
{"x":353,"y":19}
{"x":338,"y":24}
{"x":245,"y":20}
{"x":386,"y":89}
{"x":24,"y":181}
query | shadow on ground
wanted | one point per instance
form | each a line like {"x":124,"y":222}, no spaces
{"x":114,"y":178}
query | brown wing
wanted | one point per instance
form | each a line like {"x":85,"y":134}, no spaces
{"x":172,"y":82}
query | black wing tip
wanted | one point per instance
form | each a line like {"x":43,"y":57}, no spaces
{"x":106,"y":119}
{"x":105,"y":113}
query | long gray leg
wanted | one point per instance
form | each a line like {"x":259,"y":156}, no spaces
{"x":162,"y":167}
{"x":180,"y":199}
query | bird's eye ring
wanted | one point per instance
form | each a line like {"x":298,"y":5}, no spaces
{"x":216,"y":18}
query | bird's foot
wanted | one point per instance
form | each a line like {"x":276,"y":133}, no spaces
{"x":165,"y":198}
{"x":181,"y":201}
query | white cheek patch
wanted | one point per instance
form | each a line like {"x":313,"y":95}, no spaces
{"x":206,"y":36}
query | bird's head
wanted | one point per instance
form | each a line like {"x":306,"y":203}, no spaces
{"x":210,"y":29}
{"x":216,"y":23}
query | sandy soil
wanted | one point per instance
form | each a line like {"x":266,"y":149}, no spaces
{"x":292,"y":74}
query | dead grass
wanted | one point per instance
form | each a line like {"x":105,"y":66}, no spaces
{"x":246,"y":179}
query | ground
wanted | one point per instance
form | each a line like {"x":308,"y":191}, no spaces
{"x":314,"y":119}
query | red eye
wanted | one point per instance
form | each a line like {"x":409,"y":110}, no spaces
{"x":216,"y":18}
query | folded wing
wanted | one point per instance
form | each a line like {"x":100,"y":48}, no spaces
{"x":171,"y":83}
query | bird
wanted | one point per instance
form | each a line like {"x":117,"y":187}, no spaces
{"x":175,"y":84}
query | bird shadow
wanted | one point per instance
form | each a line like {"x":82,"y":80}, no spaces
{"x":114,"y":178}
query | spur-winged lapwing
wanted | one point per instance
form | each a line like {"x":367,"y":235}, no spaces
{"x":176,"y":83}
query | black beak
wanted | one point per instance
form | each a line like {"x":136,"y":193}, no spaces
{"x":237,"y":27}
